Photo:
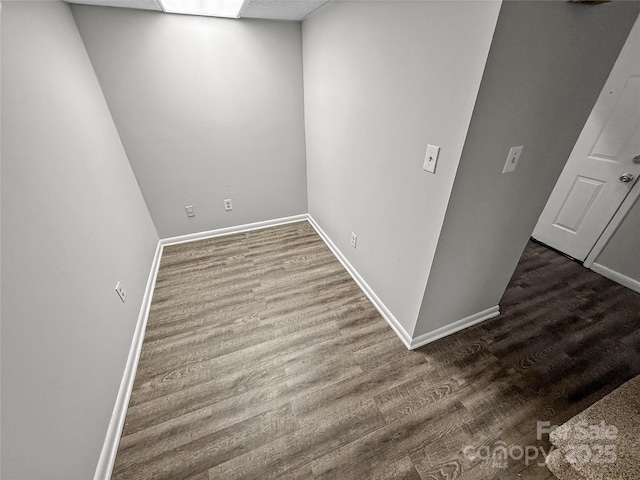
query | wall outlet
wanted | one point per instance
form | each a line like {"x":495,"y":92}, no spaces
{"x":228,"y":205}
{"x":120,"y":291}
{"x":354,"y":240}
{"x":431,"y":158}
{"x":512,"y":159}
{"x":190,"y":211}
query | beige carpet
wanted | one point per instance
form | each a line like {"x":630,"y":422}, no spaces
{"x":603,"y":441}
{"x":561,"y":468}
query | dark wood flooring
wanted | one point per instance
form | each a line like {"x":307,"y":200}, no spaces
{"x":262,"y":359}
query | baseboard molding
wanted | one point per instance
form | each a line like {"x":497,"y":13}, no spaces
{"x":364,"y":286}
{"x":193,"y":237}
{"x":409,"y":342}
{"x":116,"y":424}
{"x":616,"y":277}
{"x":454,"y":327}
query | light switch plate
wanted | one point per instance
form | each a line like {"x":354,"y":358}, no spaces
{"x":512,"y":159}
{"x":431,"y":158}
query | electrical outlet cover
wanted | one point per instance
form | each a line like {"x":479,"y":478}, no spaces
{"x":120,"y":291}
{"x":512,"y":159}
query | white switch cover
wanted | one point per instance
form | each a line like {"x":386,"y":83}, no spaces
{"x":430,"y":158}
{"x":190,"y":211}
{"x":512,"y":159}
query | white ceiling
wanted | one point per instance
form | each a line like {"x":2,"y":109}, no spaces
{"x":281,"y":9}
{"x":294,"y":10}
{"x":138,"y":4}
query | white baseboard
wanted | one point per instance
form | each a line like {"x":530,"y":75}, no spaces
{"x":116,"y":424}
{"x":454,"y":327}
{"x":409,"y":342}
{"x":616,"y":277}
{"x":368,"y":291}
{"x":193,"y":237}
{"x":114,"y":431}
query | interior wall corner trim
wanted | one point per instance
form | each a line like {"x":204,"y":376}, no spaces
{"x":194,"y":237}
{"x":107,"y":457}
{"x":364,"y":286}
{"x":616,"y":277}
{"x":454,"y":327}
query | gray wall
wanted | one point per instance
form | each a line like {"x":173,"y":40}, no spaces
{"x":73,"y":223}
{"x":547,"y":65}
{"x":621,"y":252}
{"x":207,"y":109}
{"x":0,"y":251}
{"x":382,"y":80}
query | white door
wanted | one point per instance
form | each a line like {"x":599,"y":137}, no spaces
{"x":601,"y":169}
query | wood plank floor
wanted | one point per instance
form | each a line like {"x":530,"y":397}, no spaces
{"x":262,"y":359}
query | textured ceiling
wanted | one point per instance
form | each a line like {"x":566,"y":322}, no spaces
{"x":281,"y":9}
{"x":294,"y":10}
{"x":139,"y":4}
